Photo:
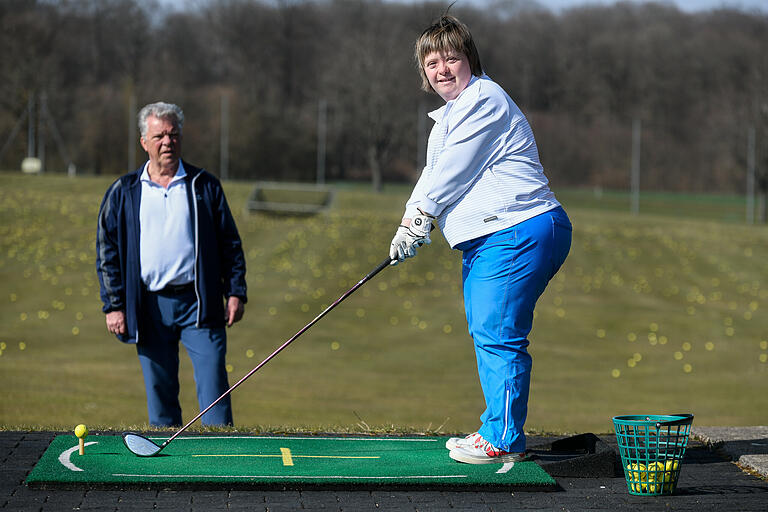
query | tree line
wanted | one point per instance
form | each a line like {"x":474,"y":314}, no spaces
{"x":697,"y":82}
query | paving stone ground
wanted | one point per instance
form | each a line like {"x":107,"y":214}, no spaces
{"x":748,"y":446}
{"x":709,"y":481}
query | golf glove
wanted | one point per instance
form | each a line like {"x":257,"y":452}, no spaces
{"x":408,"y":238}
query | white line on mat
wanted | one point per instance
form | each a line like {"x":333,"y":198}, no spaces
{"x":277,"y":438}
{"x":337,"y":477}
{"x":64,"y":457}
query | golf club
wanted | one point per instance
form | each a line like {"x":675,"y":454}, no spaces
{"x":144,"y":447}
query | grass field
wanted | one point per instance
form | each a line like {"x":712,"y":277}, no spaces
{"x":658,"y":313}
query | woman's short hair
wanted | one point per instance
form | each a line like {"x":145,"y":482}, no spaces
{"x":160,"y":110}
{"x":447,"y":33}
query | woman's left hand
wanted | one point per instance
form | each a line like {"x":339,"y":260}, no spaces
{"x":412,"y":234}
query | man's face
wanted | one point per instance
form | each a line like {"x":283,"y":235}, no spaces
{"x":162,"y":142}
{"x":448,"y":73}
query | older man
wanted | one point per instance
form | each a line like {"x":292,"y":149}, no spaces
{"x":171,"y":267}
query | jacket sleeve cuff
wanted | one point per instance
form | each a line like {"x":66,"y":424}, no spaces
{"x":424,"y":205}
{"x":111,"y":308}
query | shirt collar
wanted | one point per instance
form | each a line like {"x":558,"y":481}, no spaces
{"x":438,"y":114}
{"x":180,"y":172}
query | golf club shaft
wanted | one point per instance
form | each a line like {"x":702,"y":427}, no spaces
{"x":384,"y":264}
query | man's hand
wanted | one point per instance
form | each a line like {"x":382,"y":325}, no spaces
{"x":116,"y":322}
{"x":235,"y":310}
{"x":411,"y":234}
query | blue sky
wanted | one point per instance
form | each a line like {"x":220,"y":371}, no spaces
{"x":557,"y":5}
{"x":684,"y":5}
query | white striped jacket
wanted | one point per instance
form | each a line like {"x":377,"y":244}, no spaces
{"x":482,"y":172}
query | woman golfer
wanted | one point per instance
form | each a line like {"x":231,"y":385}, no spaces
{"x":484,"y":186}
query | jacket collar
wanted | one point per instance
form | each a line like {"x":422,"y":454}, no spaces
{"x":190,"y":170}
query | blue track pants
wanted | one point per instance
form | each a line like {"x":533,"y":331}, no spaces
{"x":169,"y":319}
{"x":504,"y":274}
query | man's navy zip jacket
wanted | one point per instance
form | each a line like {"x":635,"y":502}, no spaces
{"x":219,"y":259}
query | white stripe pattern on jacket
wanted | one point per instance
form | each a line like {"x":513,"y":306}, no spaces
{"x":482,"y":172}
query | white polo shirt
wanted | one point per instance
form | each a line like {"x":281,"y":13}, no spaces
{"x":166,"y":240}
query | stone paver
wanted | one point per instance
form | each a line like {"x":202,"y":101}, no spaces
{"x":748,"y":446}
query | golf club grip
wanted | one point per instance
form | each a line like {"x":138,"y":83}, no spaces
{"x":384,"y":264}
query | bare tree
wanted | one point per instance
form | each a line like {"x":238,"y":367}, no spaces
{"x":696,"y":80}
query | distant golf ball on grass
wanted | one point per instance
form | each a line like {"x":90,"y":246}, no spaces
{"x":81,"y":431}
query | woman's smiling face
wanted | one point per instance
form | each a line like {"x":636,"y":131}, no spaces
{"x":448,"y":72}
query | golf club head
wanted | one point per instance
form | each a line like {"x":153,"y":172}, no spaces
{"x":140,"y":445}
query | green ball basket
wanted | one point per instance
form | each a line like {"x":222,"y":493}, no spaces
{"x":652,"y":449}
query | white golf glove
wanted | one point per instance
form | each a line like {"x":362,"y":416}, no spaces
{"x":408,"y":238}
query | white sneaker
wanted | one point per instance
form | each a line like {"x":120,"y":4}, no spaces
{"x":483,"y":452}
{"x":456,"y":442}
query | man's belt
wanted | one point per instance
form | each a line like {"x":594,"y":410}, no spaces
{"x":177,"y":289}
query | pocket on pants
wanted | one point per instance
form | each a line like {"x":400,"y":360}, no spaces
{"x":562,"y":233}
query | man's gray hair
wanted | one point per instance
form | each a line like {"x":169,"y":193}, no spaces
{"x":160,"y":110}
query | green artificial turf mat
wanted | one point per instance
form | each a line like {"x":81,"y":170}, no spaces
{"x":284,"y":461}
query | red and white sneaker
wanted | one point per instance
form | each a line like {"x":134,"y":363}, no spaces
{"x":456,"y":442}
{"x":483,"y":452}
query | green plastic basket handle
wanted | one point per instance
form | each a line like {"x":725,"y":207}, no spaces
{"x":684,"y":419}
